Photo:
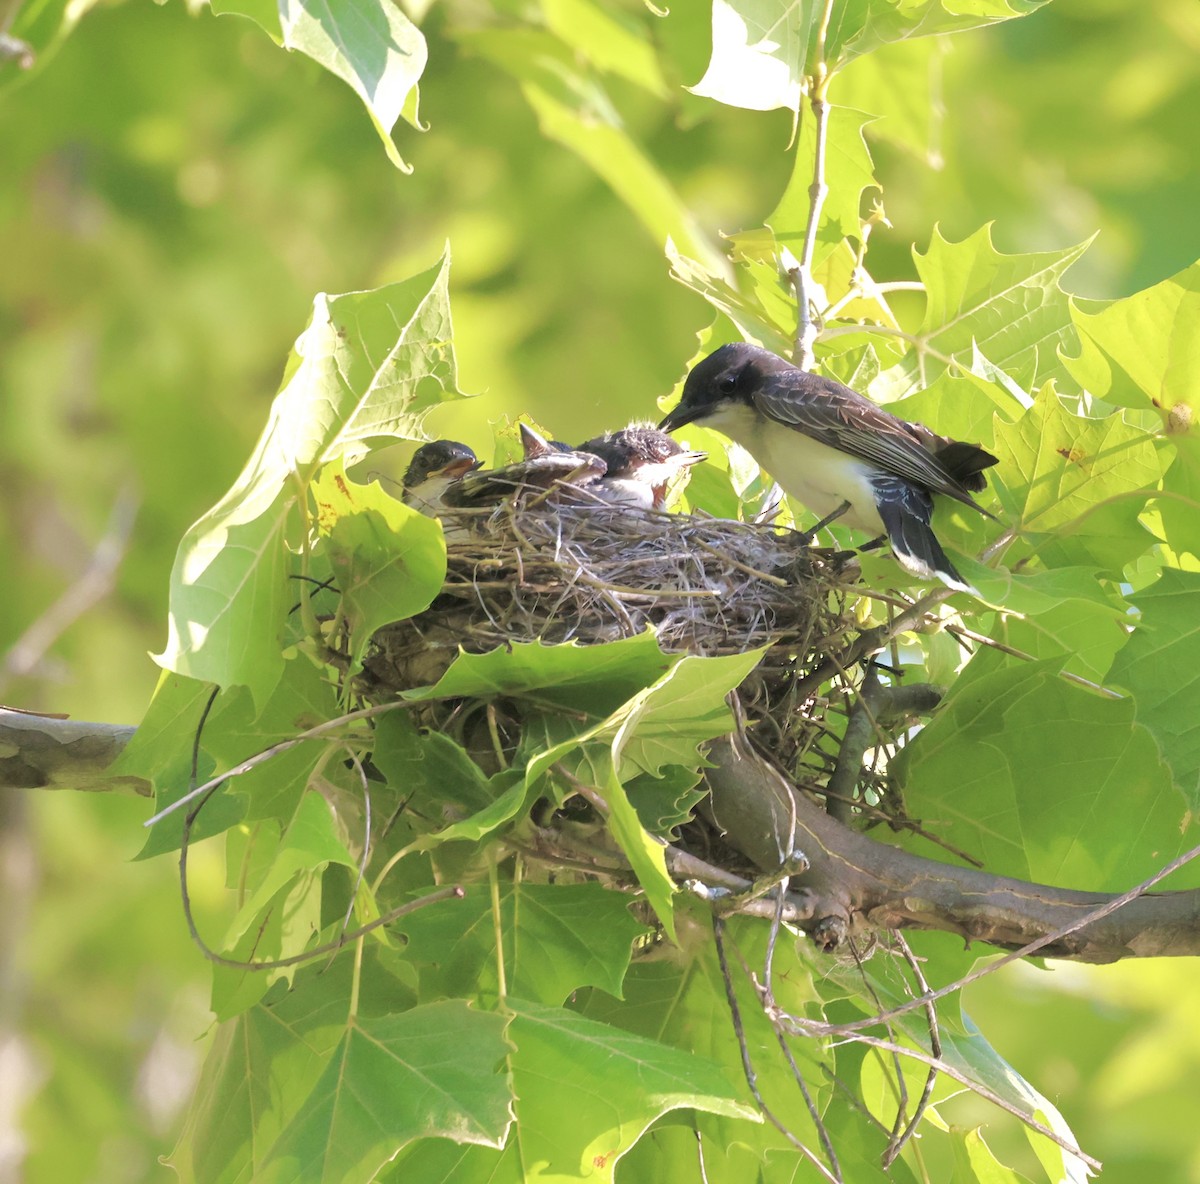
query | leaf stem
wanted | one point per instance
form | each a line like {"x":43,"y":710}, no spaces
{"x":801,"y":274}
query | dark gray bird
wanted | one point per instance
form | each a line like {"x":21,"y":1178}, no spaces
{"x":436,"y":468}
{"x":641,"y":461}
{"x":829,"y":447}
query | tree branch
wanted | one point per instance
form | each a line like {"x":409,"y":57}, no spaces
{"x":855,"y":882}
{"x":43,"y":752}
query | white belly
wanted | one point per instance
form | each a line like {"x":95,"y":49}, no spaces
{"x":817,"y":476}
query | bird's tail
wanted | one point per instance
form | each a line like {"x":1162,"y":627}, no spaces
{"x":907,"y":512}
{"x":965,"y":463}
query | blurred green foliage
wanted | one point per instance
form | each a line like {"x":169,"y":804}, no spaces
{"x":174,"y":190}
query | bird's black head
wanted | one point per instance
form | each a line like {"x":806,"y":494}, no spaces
{"x":730,"y":374}
{"x":439,"y":458}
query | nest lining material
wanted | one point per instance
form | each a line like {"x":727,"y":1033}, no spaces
{"x":568,"y":568}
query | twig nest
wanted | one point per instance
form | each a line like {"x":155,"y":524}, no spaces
{"x":577,"y":569}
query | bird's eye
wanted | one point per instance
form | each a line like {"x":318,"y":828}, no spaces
{"x":727,"y":384}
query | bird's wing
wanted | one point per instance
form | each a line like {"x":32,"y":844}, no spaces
{"x":835,"y":415}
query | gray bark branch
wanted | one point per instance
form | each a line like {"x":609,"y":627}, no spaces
{"x":855,"y":883}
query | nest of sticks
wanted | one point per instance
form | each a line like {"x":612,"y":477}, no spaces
{"x":568,"y":569}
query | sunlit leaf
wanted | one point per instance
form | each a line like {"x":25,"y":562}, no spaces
{"x":389,"y":560}
{"x":763,"y":49}
{"x":1074,"y":486}
{"x":359,"y":372}
{"x":1031,"y":775}
{"x":1010,"y":307}
{"x":848,"y":171}
{"x":1143,"y":352}
{"x":372,"y":47}
{"x":1160,"y":666}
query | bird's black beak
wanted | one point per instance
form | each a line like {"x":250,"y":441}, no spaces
{"x":678,"y":416}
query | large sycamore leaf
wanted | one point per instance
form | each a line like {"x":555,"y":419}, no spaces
{"x":389,"y":559}
{"x":370,"y":45}
{"x":258,"y":1072}
{"x":359,"y":372}
{"x":1160,"y":667}
{"x":295,"y":1092}
{"x":557,"y":939}
{"x":1073,"y":487}
{"x":585,"y":1094}
{"x":1008,"y":307}
{"x":431,"y":1072}
{"x":763,"y":49}
{"x":1035,"y":776}
{"x":1144,"y":352}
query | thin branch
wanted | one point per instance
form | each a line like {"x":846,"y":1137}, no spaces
{"x":330,"y":947}
{"x":896,"y":1145}
{"x":801,"y":274}
{"x":748,"y":1065}
{"x":975,"y":1086}
{"x":319,"y":732}
{"x":95,"y":582}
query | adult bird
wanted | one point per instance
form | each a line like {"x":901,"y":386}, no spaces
{"x":434,"y":470}
{"x":641,"y":462}
{"x":835,"y":451}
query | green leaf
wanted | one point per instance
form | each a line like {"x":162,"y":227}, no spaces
{"x":665,"y":802}
{"x":754,"y":323}
{"x":659,"y":726}
{"x":389,"y":559}
{"x":1009,"y":307}
{"x":585,"y":1093}
{"x":1160,"y":667}
{"x":304,"y":698}
{"x":257,"y":1074}
{"x":1142,"y":352}
{"x":372,"y":47}
{"x":1074,"y":487}
{"x":848,"y":171}
{"x":678,"y":998}
{"x":427,"y":765}
{"x":593,"y":679}
{"x":557,"y":939}
{"x":1034,"y":776}
{"x":282,"y":915}
{"x":160,"y":751}
{"x":431,"y":1072}
{"x":762,"y":49}
{"x":264,"y":13}
{"x":897,"y":84}
{"x":358,"y":373}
